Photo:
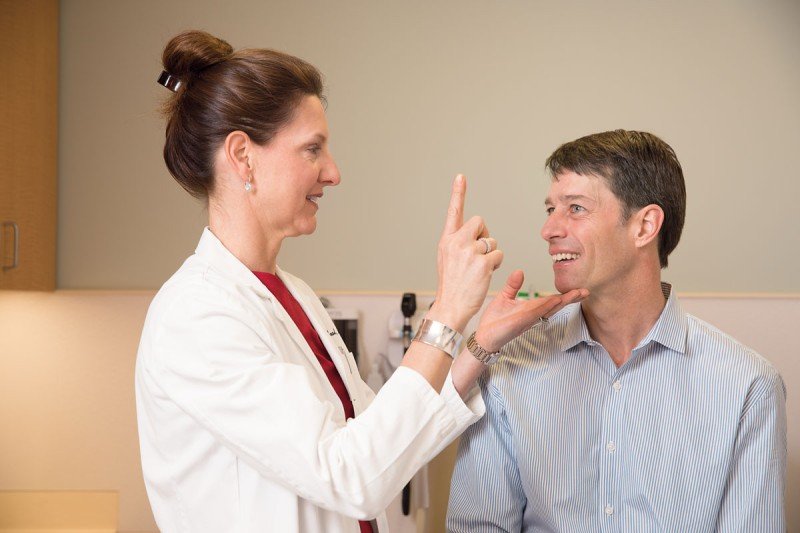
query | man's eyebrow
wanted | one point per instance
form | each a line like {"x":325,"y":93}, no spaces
{"x":568,"y":198}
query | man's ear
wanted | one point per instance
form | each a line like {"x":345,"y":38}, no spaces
{"x":647,"y":223}
{"x":237,"y":148}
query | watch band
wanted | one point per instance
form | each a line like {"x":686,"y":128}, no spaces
{"x":439,"y":336}
{"x":487,"y":358}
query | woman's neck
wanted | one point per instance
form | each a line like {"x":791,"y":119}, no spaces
{"x":243,"y":236}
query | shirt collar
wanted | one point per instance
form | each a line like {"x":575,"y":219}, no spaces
{"x":575,"y":331}
{"x":222,"y":261}
{"x":669,"y":330}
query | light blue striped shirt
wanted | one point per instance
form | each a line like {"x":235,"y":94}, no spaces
{"x":688,"y":435}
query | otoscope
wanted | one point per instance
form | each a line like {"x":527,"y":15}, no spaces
{"x":408,"y":306}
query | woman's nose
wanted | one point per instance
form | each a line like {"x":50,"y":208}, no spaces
{"x":331,"y":175}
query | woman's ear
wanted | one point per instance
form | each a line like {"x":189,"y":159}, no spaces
{"x":237,"y":148}
{"x":647,"y":224}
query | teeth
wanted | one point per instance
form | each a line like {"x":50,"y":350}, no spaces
{"x":564,"y":257}
{"x":314,"y":199}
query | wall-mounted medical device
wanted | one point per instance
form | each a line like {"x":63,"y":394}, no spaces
{"x":346,"y":322}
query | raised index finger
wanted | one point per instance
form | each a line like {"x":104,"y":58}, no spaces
{"x":455,"y":211}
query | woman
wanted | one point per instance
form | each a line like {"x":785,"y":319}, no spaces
{"x":252,"y":415}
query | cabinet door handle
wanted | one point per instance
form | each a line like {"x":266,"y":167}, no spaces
{"x":15,"y":257}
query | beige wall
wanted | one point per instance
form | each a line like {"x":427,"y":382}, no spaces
{"x":66,"y":396}
{"x":67,"y":402}
{"x":421,"y":90}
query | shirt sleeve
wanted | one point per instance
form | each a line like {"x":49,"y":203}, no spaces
{"x":754,"y":495}
{"x":465,"y":410}
{"x":211,"y":360}
{"x":486,"y":492}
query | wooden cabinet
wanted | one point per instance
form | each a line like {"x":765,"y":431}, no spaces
{"x":28,"y":143}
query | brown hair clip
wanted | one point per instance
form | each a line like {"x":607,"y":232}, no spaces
{"x":169,"y":81}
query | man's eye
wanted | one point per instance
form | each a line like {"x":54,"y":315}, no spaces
{"x":574,"y":208}
{"x":549,"y":210}
{"x":314,"y":149}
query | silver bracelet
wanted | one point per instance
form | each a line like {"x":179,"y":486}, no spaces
{"x":439,"y":336}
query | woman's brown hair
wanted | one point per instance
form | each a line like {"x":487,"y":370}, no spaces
{"x":222,"y":90}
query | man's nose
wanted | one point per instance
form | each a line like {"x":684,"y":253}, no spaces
{"x":553,"y":227}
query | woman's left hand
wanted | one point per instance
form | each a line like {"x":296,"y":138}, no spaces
{"x":506,"y":317}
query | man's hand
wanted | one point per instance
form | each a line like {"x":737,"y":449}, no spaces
{"x":506,"y":317}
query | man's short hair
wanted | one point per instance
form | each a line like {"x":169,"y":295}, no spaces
{"x":640,"y":170}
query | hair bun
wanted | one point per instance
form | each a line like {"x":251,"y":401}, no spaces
{"x":192,"y":51}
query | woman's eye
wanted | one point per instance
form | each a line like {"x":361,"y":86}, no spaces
{"x":314,"y":149}
{"x":549,"y":210}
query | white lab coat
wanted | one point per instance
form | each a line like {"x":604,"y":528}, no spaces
{"x":240,"y":429}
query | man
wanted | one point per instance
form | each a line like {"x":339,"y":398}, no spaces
{"x":622,"y":413}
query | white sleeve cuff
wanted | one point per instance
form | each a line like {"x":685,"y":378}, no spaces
{"x":466,"y":411}
{"x":458,"y":413}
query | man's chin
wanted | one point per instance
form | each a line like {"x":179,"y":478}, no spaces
{"x":564,"y":286}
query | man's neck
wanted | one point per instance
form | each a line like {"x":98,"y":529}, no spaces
{"x":620,"y":321}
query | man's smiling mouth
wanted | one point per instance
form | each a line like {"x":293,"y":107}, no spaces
{"x":557,"y":258}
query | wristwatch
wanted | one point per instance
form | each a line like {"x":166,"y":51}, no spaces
{"x":487,"y":358}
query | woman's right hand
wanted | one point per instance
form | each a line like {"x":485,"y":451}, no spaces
{"x":464,"y":267}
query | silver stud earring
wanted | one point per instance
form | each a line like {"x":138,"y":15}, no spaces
{"x":247,"y":185}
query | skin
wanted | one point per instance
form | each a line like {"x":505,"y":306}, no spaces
{"x":618,"y":259}
{"x":296,"y":166}
{"x":504,"y":318}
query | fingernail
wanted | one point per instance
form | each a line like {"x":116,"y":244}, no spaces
{"x":460,"y":179}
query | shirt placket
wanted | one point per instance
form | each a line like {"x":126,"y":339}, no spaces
{"x":609,"y":445}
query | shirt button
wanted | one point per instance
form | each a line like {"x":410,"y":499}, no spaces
{"x":617,"y":385}
{"x":611,"y":447}
{"x":609,"y":510}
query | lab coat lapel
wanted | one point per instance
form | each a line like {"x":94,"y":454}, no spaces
{"x":295,"y":334}
{"x":211,"y":249}
{"x":327,"y":331}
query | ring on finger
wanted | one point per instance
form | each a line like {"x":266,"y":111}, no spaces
{"x":487,"y":244}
